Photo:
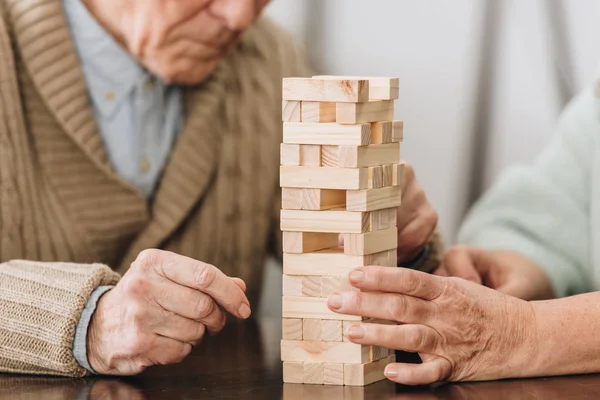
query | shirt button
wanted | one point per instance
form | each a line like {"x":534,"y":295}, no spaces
{"x":109,"y":95}
{"x":149,"y":84}
{"x":597,"y":87}
{"x":144,"y":165}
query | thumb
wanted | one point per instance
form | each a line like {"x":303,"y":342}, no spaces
{"x":458,"y":262}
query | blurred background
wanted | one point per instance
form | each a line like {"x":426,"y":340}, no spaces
{"x":482,"y":83}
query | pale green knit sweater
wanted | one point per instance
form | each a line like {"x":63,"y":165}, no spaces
{"x":550,"y":211}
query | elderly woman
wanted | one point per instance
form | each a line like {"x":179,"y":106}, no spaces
{"x":141,"y":137}
{"x":534,"y":236}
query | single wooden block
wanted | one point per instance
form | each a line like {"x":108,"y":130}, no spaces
{"x":293,"y":372}
{"x":319,"y":351}
{"x":333,"y":374}
{"x":373,"y":199}
{"x":375,"y":179}
{"x":357,"y":113}
{"x":323,"y":199}
{"x":307,"y":242}
{"x":291,"y":328}
{"x":310,"y":155}
{"x":398,"y":131}
{"x":367,"y":156}
{"x":312,"y":373}
{"x":379,"y":352}
{"x":291,"y":111}
{"x":382,"y":132}
{"x":365,"y":374}
{"x":292,"y":285}
{"x":388,"y":175}
{"x":290,"y":154}
{"x":333,"y":262}
{"x":331,"y":330}
{"x":323,"y":178}
{"x":330,"y":90}
{"x":311,"y":286}
{"x":330,"y":156}
{"x":383,"y":219}
{"x":370,"y":242}
{"x":380,"y":88}
{"x":291,"y":199}
{"x":333,"y":221}
{"x":314,"y":111}
{"x":333,"y":284}
{"x":326,"y":133}
{"x":397,"y":174}
{"x":311,"y":308}
{"x":312,"y":329}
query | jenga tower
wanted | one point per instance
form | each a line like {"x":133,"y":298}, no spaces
{"x":340,"y":179}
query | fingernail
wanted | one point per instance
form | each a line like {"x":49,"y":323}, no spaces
{"x":391,"y":372}
{"x":357,"y":276}
{"x":334,"y":301}
{"x":244,"y":311}
{"x":356,"y":332}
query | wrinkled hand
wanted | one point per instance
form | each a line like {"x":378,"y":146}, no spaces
{"x":461,"y":330}
{"x":159,"y":310}
{"x":417,"y":218}
{"x":504,"y":271}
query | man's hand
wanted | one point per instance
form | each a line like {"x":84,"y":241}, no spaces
{"x":504,"y":271}
{"x":159,"y":310}
{"x":417,"y":218}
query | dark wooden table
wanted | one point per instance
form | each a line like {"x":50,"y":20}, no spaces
{"x":242,"y":362}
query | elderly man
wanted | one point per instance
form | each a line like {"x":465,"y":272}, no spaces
{"x":141,"y":137}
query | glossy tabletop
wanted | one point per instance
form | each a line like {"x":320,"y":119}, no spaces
{"x":242,"y":362}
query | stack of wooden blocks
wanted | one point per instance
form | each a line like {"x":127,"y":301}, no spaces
{"x":340,"y":179}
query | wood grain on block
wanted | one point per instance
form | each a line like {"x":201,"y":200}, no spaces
{"x":357,"y":113}
{"x":398,"y":131}
{"x":323,"y":199}
{"x":379,"y":352}
{"x":370,"y":242}
{"x":313,"y":373}
{"x":323,"y":178}
{"x":311,"y":308}
{"x":367,"y":156}
{"x":380,"y":88}
{"x":382,"y":219}
{"x":375,"y":179}
{"x":333,"y":374}
{"x":319,"y":351}
{"x":330,"y":90}
{"x":290,"y":154}
{"x":312,"y":329}
{"x":330,"y":156}
{"x":333,"y":262}
{"x":332,"y":284}
{"x":307,"y":242}
{"x":326,"y":133}
{"x":292,"y":372}
{"x":291,"y":328}
{"x":292,"y":285}
{"x":291,"y":111}
{"x":318,"y":111}
{"x":291,"y":198}
{"x":382,"y":132}
{"x":345,"y":326}
{"x":311,"y":286}
{"x":334,"y":221}
{"x":397,"y":174}
{"x":367,"y":373}
{"x":373,"y":199}
{"x":388,"y":175}
{"x":331,"y":330}
{"x":310,"y":155}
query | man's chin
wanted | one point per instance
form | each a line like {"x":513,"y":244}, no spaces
{"x":190,"y":76}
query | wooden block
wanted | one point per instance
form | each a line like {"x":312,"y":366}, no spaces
{"x":292,"y":285}
{"x":291,"y":198}
{"x":319,"y":351}
{"x":373,"y":199}
{"x":388,"y":175}
{"x":334,"y":221}
{"x":307,"y":242}
{"x":333,"y":284}
{"x":330,"y":90}
{"x":330,"y":156}
{"x":291,"y":111}
{"x":365,"y":374}
{"x":357,"y":113}
{"x":398,"y":131}
{"x":323,"y":178}
{"x":326,"y":133}
{"x":333,"y":374}
{"x":291,"y":328}
{"x":375,"y":177}
{"x":310,"y":155}
{"x":366,"y":156}
{"x":379,"y":352}
{"x":290,"y":154}
{"x":323,"y":199}
{"x":333,"y":262}
{"x":331,"y":330}
{"x":311,"y":286}
{"x":370,"y":242}
{"x":345,"y":326}
{"x":312,"y":373}
{"x":382,"y":132}
{"x":312,"y":329}
{"x":397,"y":174}
{"x":383,"y":219}
{"x":311,"y":308}
{"x":292,"y":372}
{"x":380,"y":88}
{"x":313,"y":111}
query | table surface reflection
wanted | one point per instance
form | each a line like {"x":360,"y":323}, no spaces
{"x":242,"y":362}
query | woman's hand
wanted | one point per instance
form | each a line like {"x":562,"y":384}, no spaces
{"x":461,"y":330}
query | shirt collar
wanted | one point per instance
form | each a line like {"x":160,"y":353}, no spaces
{"x":111,"y":73}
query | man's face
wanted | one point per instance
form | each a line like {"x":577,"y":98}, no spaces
{"x":181,"y":40}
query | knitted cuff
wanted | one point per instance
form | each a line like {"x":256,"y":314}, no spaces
{"x":430,"y":258}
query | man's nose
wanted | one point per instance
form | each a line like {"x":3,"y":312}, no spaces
{"x":237,"y":15}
